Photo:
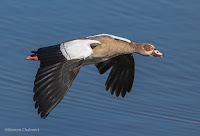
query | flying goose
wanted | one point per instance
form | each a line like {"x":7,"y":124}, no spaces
{"x":60,"y":64}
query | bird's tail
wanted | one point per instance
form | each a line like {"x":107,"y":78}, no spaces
{"x":47,"y":55}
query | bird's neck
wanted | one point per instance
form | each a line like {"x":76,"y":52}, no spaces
{"x":135,"y":47}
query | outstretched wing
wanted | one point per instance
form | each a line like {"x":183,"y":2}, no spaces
{"x":120,"y":79}
{"x":53,"y":79}
{"x":59,"y":65}
{"x":52,"y":83}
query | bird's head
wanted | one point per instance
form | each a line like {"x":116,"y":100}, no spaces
{"x":148,"y":50}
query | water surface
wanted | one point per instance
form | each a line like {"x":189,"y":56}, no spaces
{"x":165,"y":96}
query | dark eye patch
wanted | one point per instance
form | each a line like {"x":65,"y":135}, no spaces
{"x":147,"y":47}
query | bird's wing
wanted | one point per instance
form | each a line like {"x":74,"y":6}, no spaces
{"x":52,"y":83}
{"x":53,"y":79}
{"x":120,"y":79}
{"x":59,"y":65}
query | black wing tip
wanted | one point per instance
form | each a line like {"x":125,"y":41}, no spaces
{"x":117,"y":93}
{"x":111,"y":91}
{"x":101,"y":72}
{"x":123,"y":94}
{"x":41,"y":112}
{"x":44,"y":115}
{"x":106,"y":87}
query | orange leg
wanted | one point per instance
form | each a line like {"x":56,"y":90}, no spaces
{"x":34,"y":57}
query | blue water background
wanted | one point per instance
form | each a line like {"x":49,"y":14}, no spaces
{"x":165,"y":98}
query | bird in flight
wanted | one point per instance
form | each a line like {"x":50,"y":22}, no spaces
{"x":60,"y":64}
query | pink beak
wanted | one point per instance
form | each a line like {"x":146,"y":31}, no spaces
{"x":156,"y":53}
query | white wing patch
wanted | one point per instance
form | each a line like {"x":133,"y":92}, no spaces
{"x":77,"y":49}
{"x":115,"y":37}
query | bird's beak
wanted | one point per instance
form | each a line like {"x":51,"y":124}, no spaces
{"x":156,"y":53}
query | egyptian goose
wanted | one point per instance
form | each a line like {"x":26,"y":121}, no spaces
{"x":60,"y":64}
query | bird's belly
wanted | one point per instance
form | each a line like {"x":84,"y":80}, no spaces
{"x":94,"y":60}
{"x":100,"y":54}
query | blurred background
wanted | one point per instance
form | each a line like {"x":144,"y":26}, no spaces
{"x":165,"y":96}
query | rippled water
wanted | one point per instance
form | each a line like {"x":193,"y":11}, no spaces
{"x":165,"y":96}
